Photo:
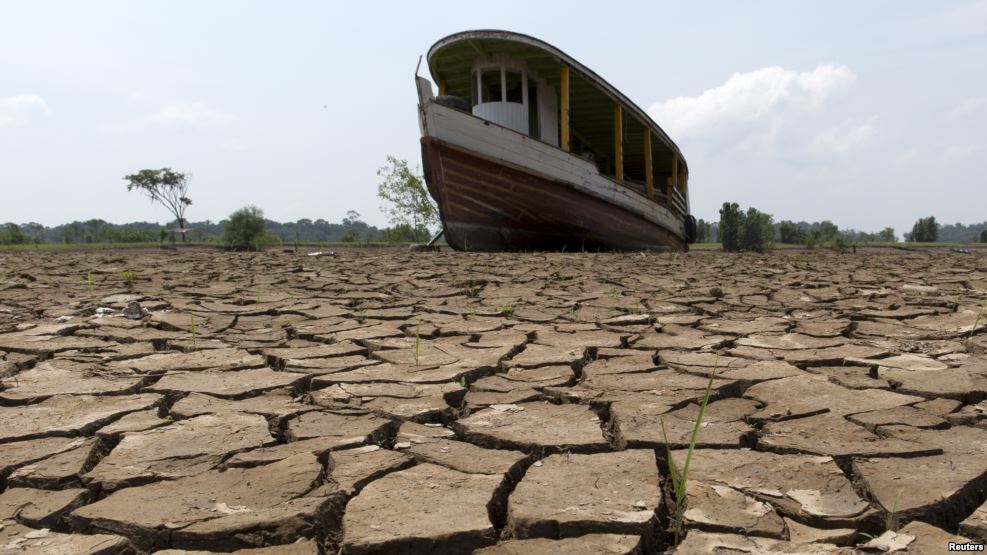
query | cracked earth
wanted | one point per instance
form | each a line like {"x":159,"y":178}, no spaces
{"x":380,"y":401}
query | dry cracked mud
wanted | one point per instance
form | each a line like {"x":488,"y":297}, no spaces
{"x":382,"y":401}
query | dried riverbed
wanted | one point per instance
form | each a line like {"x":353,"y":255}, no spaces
{"x":390,"y":402}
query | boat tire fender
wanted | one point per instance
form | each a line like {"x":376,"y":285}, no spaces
{"x":690,"y":228}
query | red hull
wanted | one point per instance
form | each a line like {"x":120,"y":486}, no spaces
{"x":486,"y":206}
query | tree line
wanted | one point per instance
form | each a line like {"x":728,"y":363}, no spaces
{"x":754,"y":230}
{"x":411,"y":212}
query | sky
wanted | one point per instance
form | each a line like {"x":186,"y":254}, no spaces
{"x":868,"y":114}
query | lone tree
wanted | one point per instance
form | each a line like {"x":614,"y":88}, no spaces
{"x":983,"y":236}
{"x":166,"y":187}
{"x":245,"y":230}
{"x":405,"y":190}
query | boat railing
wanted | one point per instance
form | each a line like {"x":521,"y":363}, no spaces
{"x":677,"y":203}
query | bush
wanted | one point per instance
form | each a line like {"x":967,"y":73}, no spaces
{"x":841,"y":244}
{"x":983,"y":236}
{"x":245,"y":230}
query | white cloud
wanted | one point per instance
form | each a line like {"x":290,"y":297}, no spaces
{"x":968,"y":106}
{"x":18,"y":110}
{"x":174,"y":115}
{"x":751,"y":100}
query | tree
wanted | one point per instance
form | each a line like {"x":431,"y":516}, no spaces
{"x":11,"y":234}
{"x":703,"y":231}
{"x":352,"y":218}
{"x":790,"y":233}
{"x":925,"y":230}
{"x":828,"y":231}
{"x":887,"y":235}
{"x":405,"y":190}
{"x":756,"y":230}
{"x":729,"y":229}
{"x":245,"y":230}
{"x":166,"y":187}
{"x":983,"y":236}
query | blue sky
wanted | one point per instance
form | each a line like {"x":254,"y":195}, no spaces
{"x":866,"y":113}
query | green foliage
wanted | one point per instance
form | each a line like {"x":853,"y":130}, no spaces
{"x":507,"y":311}
{"x":405,"y":233}
{"x":679,"y":482}
{"x":350,"y":236}
{"x":887,"y":235}
{"x":841,"y":244}
{"x":729,"y":228}
{"x":165,"y":187}
{"x":828,"y":231}
{"x":245,"y":230}
{"x":12,"y":234}
{"x":406,"y":192}
{"x":983,"y":236}
{"x":926,"y":230}
{"x":703,"y":231}
{"x":789,"y":233}
{"x":738,"y":231}
{"x":757,"y":233}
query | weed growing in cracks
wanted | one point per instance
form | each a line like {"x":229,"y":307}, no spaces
{"x":679,"y":481}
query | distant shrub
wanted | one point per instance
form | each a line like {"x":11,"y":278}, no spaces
{"x":841,"y":244}
{"x":245,"y":230}
{"x":983,"y":236}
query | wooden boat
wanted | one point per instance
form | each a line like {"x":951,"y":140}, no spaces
{"x":524,"y":148}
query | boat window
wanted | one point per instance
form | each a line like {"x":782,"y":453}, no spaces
{"x":514,"y":86}
{"x":474,"y":91}
{"x":533,"y":128}
{"x":490,"y":85}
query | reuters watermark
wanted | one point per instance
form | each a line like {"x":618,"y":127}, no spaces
{"x":953,"y":546}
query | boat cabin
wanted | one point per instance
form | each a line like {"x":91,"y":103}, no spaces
{"x":531,"y":87}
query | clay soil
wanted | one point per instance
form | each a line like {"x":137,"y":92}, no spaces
{"x":393,"y":402}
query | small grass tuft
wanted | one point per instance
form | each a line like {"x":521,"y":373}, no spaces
{"x":507,"y":311}
{"x":980,"y":317}
{"x":679,"y":481}
{"x":195,"y":341}
{"x":418,"y":347}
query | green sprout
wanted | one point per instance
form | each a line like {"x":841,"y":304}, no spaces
{"x":679,"y":481}
{"x":89,"y":280}
{"x":980,"y":316}
{"x":418,"y":346}
{"x":195,"y":342}
{"x":129,"y":277}
{"x":507,"y":311}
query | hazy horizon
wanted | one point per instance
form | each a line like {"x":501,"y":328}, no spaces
{"x":865,"y":114}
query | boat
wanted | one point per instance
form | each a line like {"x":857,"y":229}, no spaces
{"x":524,"y":148}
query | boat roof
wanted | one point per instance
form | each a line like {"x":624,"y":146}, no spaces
{"x":451,"y":60}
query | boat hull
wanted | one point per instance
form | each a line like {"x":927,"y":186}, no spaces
{"x":487,"y":205}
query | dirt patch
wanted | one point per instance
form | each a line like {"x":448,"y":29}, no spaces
{"x":385,"y":401}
